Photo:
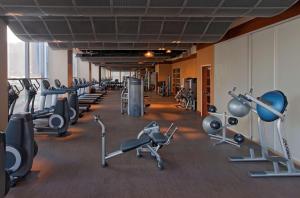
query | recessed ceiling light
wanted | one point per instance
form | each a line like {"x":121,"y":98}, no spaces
{"x":149,"y":54}
{"x":56,"y":41}
{"x":161,"y":48}
{"x":168,"y":51}
{"x":177,"y":42}
{"x":13,"y":14}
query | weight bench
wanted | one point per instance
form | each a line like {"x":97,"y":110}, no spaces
{"x":158,"y":140}
{"x":150,"y":139}
{"x":134,"y":143}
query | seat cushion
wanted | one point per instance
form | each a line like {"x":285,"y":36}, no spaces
{"x":158,"y":138}
{"x":134,"y":143}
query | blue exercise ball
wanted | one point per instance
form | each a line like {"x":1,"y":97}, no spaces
{"x":277,"y":100}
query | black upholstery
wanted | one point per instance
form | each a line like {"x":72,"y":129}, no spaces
{"x":20,"y":135}
{"x":158,"y":138}
{"x":134,"y":143}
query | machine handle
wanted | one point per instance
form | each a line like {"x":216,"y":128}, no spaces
{"x":97,"y":119}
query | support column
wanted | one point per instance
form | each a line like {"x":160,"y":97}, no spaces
{"x":99,"y":73}
{"x":27,"y":61}
{"x":70,"y":67}
{"x":4,"y":101}
{"x":90,"y":71}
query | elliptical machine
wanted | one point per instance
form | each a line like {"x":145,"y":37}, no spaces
{"x":20,"y":146}
{"x":72,"y":99}
{"x":19,"y":140}
{"x":57,"y":115}
{"x":4,"y":174}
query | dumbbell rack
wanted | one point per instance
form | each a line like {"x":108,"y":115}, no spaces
{"x":223,"y":139}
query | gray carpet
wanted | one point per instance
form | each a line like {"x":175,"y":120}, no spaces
{"x":70,"y":166}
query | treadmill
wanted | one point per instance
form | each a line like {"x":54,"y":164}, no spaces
{"x":81,"y":98}
{"x":72,"y":102}
{"x":90,"y":84}
{"x":83,"y":90}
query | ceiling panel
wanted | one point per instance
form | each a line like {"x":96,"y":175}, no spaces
{"x":203,"y":3}
{"x":81,"y":27}
{"x":166,"y":3}
{"x":130,"y":3}
{"x":127,"y":27}
{"x":195,"y":28}
{"x":162,"y":11}
{"x":197,"y":12}
{"x":58,"y":27}
{"x":276,"y":3}
{"x":129,"y":11}
{"x":92,"y":3}
{"x":104,"y":26}
{"x":173,"y":27}
{"x":54,"y":2}
{"x":18,"y":2}
{"x":84,"y":37}
{"x":16,"y":27}
{"x":264,"y":12}
{"x":150,"y":27}
{"x":131,"y":24}
{"x":91,"y":11}
{"x":35,"y":27}
{"x":59,"y":11}
{"x":218,"y":27}
{"x":239,"y":3}
{"x":231,"y":12}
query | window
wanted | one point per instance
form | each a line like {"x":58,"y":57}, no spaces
{"x":38,"y":56}
{"x":115,"y":75}
{"x":15,"y":56}
{"x":124,"y":75}
{"x":25,"y":60}
{"x":105,"y":73}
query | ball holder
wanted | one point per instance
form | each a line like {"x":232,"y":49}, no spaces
{"x":270,"y":107}
{"x":217,"y":128}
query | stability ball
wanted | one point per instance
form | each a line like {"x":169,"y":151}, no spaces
{"x":276,"y":100}
{"x":238,"y":107}
{"x":212,"y":124}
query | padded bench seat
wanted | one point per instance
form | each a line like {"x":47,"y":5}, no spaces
{"x":158,"y":138}
{"x":134,"y":143}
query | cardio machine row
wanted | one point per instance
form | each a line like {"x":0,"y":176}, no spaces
{"x":20,"y":145}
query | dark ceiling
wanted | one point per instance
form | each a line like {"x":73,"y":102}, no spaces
{"x":130,"y":24}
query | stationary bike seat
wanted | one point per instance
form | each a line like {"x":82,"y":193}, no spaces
{"x":134,"y":143}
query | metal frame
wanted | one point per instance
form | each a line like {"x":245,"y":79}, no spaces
{"x":153,"y":127}
{"x":223,"y":139}
{"x":285,"y":160}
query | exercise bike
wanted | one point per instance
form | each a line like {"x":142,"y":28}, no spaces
{"x":150,"y":139}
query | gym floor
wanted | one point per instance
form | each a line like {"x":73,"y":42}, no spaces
{"x":70,"y":166}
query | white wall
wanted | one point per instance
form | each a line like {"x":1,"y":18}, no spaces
{"x":58,"y":66}
{"x":265,"y":60}
{"x":83,"y":69}
{"x":95,"y":72}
